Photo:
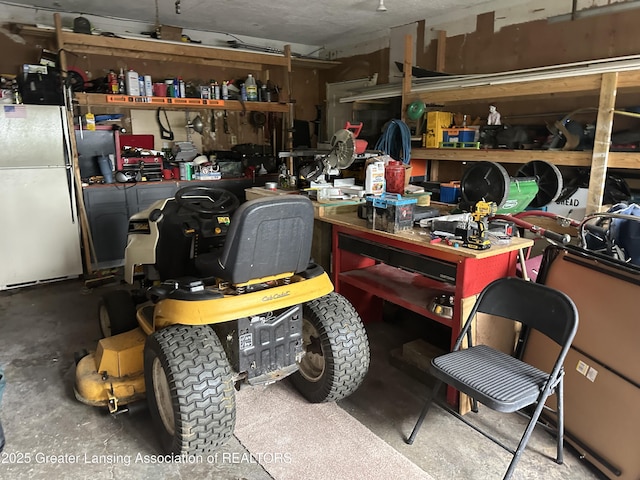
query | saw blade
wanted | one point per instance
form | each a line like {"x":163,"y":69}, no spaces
{"x":343,"y":149}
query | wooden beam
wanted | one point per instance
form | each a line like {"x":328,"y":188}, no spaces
{"x":574,"y":159}
{"x":87,"y":241}
{"x":604,"y":126}
{"x":516,"y":90}
{"x":406,"y":73}
{"x":441,"y":48}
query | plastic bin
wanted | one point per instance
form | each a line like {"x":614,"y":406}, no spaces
{"x":458,"y":134}
{"x":390,"y":213}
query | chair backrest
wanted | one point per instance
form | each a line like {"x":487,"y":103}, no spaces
{"x":538,"y":306}
{"x":268,"y":236}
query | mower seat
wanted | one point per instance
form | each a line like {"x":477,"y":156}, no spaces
{"x":267,"y":236}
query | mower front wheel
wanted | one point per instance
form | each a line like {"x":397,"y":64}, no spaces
{"x":189,"y":389}
{"x":116,"y":313}
{"x":336,"y":350}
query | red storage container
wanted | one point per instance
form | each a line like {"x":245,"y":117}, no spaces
{"x":394,"y":177}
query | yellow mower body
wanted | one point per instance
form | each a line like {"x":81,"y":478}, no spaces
{"x":113,"y":376}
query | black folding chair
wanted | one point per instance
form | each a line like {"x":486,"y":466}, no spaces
{"x":500,"y":381}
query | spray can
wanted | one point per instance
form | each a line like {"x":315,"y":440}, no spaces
{"x":112,"y":79}
{"x":141,"y":88}
{"x":181,"y":86}
{"x":215,"y":90}
{"x":148,"y":86}
{"x":122,"y":86}
{"x":243,"y":92}
{"x":225,"y":90}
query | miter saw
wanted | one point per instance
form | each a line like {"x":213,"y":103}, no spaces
{"x":340,"y":156}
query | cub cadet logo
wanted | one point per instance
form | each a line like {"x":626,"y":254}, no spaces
{"x":276,"y":296}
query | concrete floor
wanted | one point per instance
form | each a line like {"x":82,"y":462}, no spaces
{"x":51,"y":435}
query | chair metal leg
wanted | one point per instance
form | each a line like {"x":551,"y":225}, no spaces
{"x":525,"y":436}
{"x":560,"y":433}
{"x":474,"y":405}
{"x":423,"y":414}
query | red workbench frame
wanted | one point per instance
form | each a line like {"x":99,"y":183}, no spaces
{"x":367,"y":282}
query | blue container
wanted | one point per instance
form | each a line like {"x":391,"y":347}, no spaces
{"x":458,"y":134}
{"x":449,"y":194}
{"x":105,"y":168}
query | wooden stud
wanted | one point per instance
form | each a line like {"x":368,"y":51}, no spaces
{"x":87,"y":242}
{"x":406,"y":73}
{"x":600,"y":155}
{"x":441,"y":50}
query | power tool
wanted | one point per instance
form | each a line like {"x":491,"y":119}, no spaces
{"x":481,"y":211}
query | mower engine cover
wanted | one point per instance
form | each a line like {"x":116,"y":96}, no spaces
{"x":255,"y":344}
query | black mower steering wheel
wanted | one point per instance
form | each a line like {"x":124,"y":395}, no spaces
{"x":216,"y":201}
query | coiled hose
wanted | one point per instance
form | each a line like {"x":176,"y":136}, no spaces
{"x":396,"y":141}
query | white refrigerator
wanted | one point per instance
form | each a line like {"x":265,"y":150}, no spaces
{"x":39,"y":228}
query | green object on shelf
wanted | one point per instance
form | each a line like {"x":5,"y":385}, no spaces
{"x":415,"y":110}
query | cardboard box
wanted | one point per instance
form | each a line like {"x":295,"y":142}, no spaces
{"x":602,"y":419}
{"x":168,"y":32}
{"x":573,"y":207}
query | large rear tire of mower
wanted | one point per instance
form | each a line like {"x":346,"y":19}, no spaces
{"x":337,"y":350}
{"x":189,"y":389}
{"x":116,"y":313}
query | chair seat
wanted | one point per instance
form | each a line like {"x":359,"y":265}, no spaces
{"x":497,"y":380}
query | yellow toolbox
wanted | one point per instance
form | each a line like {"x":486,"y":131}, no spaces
{"x":437,"y":122}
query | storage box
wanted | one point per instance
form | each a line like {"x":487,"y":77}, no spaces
{"x":390,"y":213}
{"x":574,"y":207}
{"x":458,"y":134}
{"x":450,"y":192}
{"x":230,"y":169}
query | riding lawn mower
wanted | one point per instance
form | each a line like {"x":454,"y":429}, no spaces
{"x":227,"y":295}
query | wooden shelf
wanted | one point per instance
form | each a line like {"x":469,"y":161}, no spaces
{"x":166,"y":51}
{"x":409,"y":290}
{"x":602,"y":78}
{"x":629,"y":160}
{"x":147,"y":103}
{"x":577,"y":86}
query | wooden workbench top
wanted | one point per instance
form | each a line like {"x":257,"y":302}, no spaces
{"x":420,"y":237}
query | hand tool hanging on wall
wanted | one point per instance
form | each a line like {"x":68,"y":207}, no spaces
{"x":226,"y":122}
{"x":165,"y":133}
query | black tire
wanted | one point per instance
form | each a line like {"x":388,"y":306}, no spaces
{"x":116,"y":313}
{"x":337,"y":350}
{"x":190,"y":389}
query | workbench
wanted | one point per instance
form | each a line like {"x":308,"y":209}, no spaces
{"x":406,"y":269}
